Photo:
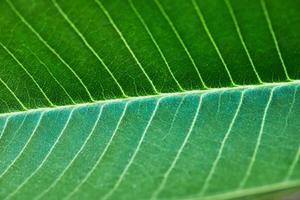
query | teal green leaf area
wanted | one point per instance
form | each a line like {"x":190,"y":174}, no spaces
{"x":149,"y":99}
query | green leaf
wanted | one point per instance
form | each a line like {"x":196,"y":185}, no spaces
{"x":145,"y":99}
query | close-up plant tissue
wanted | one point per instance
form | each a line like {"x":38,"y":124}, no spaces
{"x":149,"y":100}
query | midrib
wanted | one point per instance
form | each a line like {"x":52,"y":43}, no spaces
{"x":107,"y":101}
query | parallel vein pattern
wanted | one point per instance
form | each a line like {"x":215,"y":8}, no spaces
{"x":141,"y":99}
{"x":203,"y":22}
{"x":228,"y":4}
{"x":181,"y":41}
{"x":26,"y":71}
{"x":126,"y":44}
{"x":69,"y":49}
{"x":49,"y":47}
{"x":88,"y":45}
{"x":148,"y":140}
{"x":155,"y":43}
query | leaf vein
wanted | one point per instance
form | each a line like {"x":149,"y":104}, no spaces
{"x":14,"y":9}
{"x":20,"y":186}
{"x":111,"y":21}
{"x":139,"y":16}
{"x":86,"y":177}
{"x":219,"y":155}
{"x":124,"y":172}
{"x":203,"y":22}
{"x":173,"y":164}
{"x":24,"y":147}
{"x":167,"y":18}
{"x":238,"y":30}
{"x":258,"y":142}
{"x":53,"y":184}
{"x":28,"y":73}
{"x":14,"y":94}
{"x":86,"y":43}
{"x":270,"y":26}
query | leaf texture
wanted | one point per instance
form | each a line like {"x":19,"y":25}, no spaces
{"x":144,"y":99}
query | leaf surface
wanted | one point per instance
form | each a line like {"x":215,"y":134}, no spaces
{"x":149,"y":99}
